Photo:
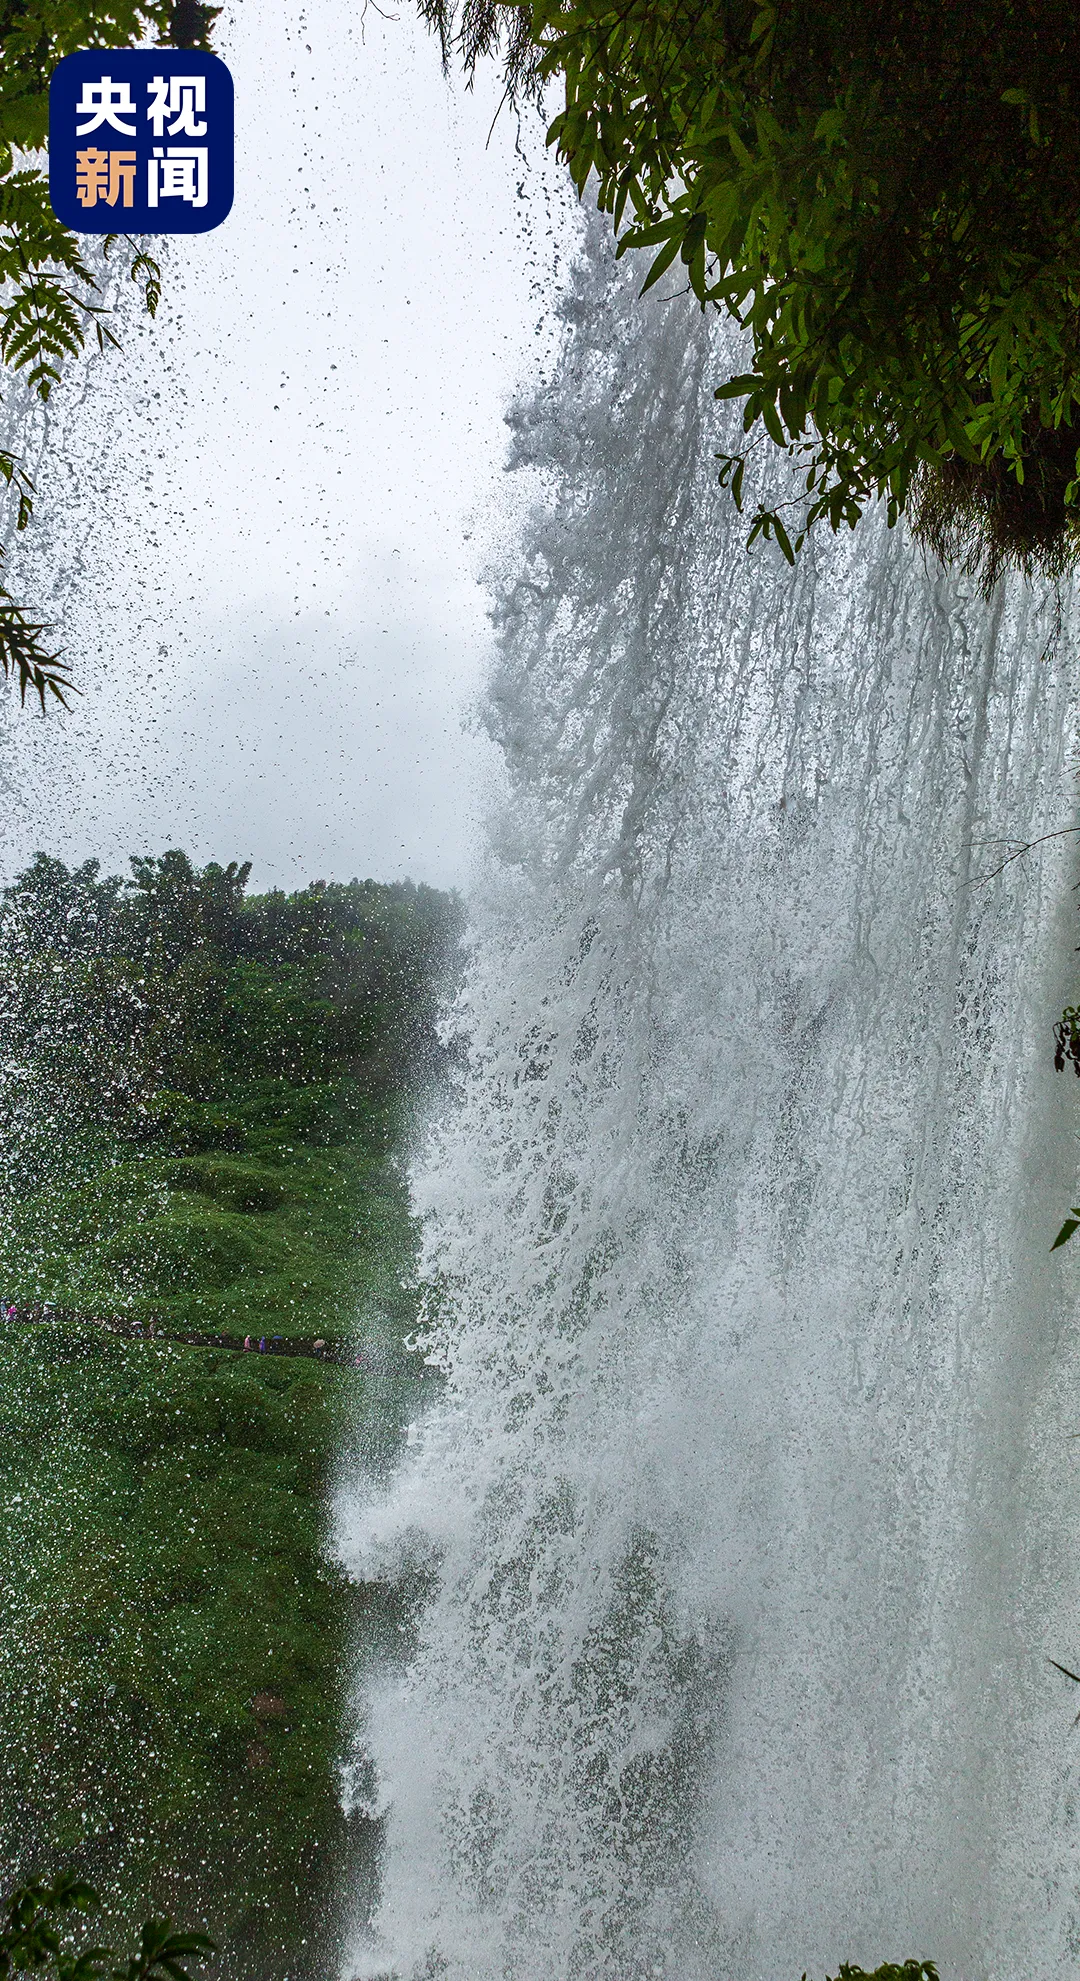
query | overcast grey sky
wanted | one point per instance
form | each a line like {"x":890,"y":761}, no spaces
{"x":261,"y":525}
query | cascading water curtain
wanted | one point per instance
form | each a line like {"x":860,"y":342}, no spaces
{"x":747,"y":1517}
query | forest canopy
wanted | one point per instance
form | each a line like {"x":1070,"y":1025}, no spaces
{"x":152,"y":1010}
{"x":887,"y":199}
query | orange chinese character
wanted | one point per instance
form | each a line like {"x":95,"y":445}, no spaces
{"x":105,"y":175}
{"x":91,"y":176}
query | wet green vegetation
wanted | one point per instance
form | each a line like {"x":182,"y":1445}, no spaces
{"x":202,"y":1141}
{"x":287,"y":1238}
{"x":173,"y":1638}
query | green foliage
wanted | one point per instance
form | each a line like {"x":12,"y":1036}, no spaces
{"x":150,"y":1008}
{"x":32,"y":1938}
{"x":886,"y":200}
{"x":910,"y":1970}
{"x":202,"y":1093}
{"x":199,"y":1090}
{"x":479,"y":28}
{"x":22,"y":652}
{"x":51,"y":298}
{"x":291,"y":1240}
{"x":174,"y":1642}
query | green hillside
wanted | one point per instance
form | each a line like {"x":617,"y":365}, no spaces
{"x":204,"y":1098}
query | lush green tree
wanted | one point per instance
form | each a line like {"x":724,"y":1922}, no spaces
{"x":51,"y":297}
{"x":885,"y":198}
{"x":129,"y":1003}
{"x":35,"y":1937}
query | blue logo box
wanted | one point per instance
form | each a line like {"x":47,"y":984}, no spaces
{"x":141,"y":141}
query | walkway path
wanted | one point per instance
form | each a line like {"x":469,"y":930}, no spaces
{"x":347,"y":1354}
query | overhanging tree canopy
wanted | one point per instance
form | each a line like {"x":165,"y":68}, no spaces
{"x":888,"y":198}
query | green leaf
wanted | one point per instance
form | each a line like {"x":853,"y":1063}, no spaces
{"x":662,"y":263}
{"x":736,"y":388}
{"x":783,"y":539}
{"x":772,"y":423}
{"x":1070,"y":1225}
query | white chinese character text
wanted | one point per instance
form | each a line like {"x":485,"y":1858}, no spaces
{"x":181,"y":97}
{"x":105,"y":102}
{"x":179,"y":173}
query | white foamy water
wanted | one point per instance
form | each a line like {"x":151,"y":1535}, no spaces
{"x":750,"y":1490}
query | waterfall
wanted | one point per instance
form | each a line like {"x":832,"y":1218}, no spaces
{"x":746,"y":1517}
